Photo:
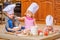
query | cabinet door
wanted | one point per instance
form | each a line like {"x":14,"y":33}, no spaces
{"x":46,"y":9}
{"x":25,"y":5}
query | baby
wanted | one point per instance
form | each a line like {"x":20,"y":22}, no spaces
{"x":49,"y":24}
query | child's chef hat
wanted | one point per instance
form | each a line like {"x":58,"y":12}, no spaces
{"x":33,"y":7}
{"x":49,"y":20}
{"x":9,"y":9}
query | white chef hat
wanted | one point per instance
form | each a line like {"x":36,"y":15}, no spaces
{"x":33,"y":7}
{"x":49,"y":20}
{"x":9,"y":9}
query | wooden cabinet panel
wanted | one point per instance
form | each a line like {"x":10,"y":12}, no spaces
{"x":25,"y":5}
{"x":46,"y":9}
{"x":43,"y":10}
{"x":57,"y":11}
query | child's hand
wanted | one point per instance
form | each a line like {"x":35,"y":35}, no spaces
{"x":35,"y":24}
{"x":18,"y":18}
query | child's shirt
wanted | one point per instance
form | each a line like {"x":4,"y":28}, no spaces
{"x":10,"y":23}
{"x":29,"y":22}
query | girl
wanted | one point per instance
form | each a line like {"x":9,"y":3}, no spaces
{"x":29,"y":19}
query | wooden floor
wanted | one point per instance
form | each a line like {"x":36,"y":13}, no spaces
{"x":40,"y":25}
